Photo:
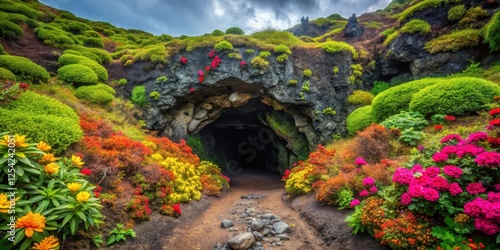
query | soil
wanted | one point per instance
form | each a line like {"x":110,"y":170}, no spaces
{"x":314,"y":226}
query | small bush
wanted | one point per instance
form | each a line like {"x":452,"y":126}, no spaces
{"x":77,"y":75}
{"x":218,"y":33}
{"x":492,"y":36}
{"x":360,"y":97}
{"x":162,"y":79}
{"x":264,"y":54}
{"x":10,"y":29}
{"x":456,"y":13}
{"x":259,"y":62}
{"x":223,"y":45}
{"x":54,"y":37}
{"x":473,"y":15}
{"x":101,"y":94}
{"x":235,"y":31}
{"x":405,"y":120}
{"x":307,"y":73}
{"x":357,"y":72}
{"x":416,"y":26}
{"x":448,"y":97}
{"x":91,"y":33}
{"x":292,"y":82}
{"x":426,"y":4}
{"x":379,"y":87}
{"x":336,"y":47}
{"x":139,"y":96}
{"x":282,"y":58}
{"x":454,"y":41}
{"x":305,"y":87}
{"x":373,"y":143}
{"x":77,"y":28}
{"x":42,"y":119}
{"x":282,"y":49}
{"x":397,"y":99}
{"x":155,"y":95}
{"x":359,"y":119}
{"x":99,"y":70}
{"x":24,"y":69}
{"x":7,"y":75}
{"x":99,"y":55}
{"x":93,"y":42}
{"x":234,"y":56}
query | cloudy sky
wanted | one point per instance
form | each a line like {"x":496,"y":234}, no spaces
{"x":197,"y":17}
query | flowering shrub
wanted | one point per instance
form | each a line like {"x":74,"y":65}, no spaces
{"x":139,"y":205}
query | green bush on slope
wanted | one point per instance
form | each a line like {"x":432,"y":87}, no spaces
{"x":359,"y":119}
{"x":77,"y":75}
{"x":24,"y":69}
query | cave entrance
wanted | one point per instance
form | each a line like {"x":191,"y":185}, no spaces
{"x":243,"y":141}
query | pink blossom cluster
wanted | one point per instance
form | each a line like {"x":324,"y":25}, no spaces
{"x":360,"y":161}
{"x":488,"y":159}
{"x":486,"y":213}
{"x":215,"y":62}
{"x":370,"y":188}
{"x":452,"y":138}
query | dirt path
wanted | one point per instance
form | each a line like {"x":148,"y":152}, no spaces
{"x":206,"y":232}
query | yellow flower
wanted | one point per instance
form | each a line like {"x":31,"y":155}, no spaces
{"x":83,"y":196}
{"x":48,"y":243}
{"x":31,"y":222}
{"x":47,"y":158}
{"x":19,"y":141}
{"x":51,"y":168}
{"x":74,"y":186}
{"x":77,"y":161}
{"x":43,"y":146}
{"x":5,"y":203}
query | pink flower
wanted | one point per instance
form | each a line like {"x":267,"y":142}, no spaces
{"x":431,"y":194}
{"x":368,"y":181}
{"x":243,"y":63}
{"x":191,"y":90}
{"x":207,"y":68}
{"x":493,"y":197}
{"x":478,"y":136}
{"x":452,"y":171}
{"x":497,"y":187}
{"x":405,"y":199}
{"x":469,"y":149}
{"x":455,"y":189}
{"x":475,"y":188}
{"x":439,"y":183}
{"x":373,"y":189}
{"x":416,"y":190}
{"x":364,"y":193}
{"x":493,"y":212}
{"x":488,"y":159}
{"x":183,"y":60}
{"x":432,"y":171}
{"x":474,"y":208}
{"x":453,"y":138}
{"x":421,"y":180}
{"x":211,"y":54}
{"x":487,"y":226}
{"x":360,"y":161}
{"x":449,"y":149}
{"x":354,"y":203}
{"x":417,"y":168}
{"x":285,"y":175}
{"x":402,"y":176}
{"x":86,"y":171}
{"x":439,"y":157}
{"x":215,"y":62}
{"x":200,"y":73}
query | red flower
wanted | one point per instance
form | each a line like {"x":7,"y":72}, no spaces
{"x":285,"y":175}
{"x":207,"y":68}
{"x":243,"y":63}
{"x":450,"y":118}
{"x":191,"y":90}
{"x":86,"y":171}
{"x":183,"y":60}
{"x":438,"y":127}
{"x":495,"y":111}
{"x":177,"y":209}
{"x":495,"y":122}
{"x":24,"y":86}
{"x":211,"y":54}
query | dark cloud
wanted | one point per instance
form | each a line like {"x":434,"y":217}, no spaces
{"x":196,"y":17}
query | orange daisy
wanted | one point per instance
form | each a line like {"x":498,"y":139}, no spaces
{"x":31,"y":222}
{"x":48,"y":243}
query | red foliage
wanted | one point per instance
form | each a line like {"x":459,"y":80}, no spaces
{"x":372,"y":144}
{"x":438,"y":127}
{"x":93,"y":126}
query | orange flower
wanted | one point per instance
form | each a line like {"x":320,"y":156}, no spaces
{"x":5,"y":203}
{"x":43,"y":146}
{"x":31,"y":222}
{"x":48,"y":243}
{"x":74,"y":186}
{"x":83,"y":196}
{"x":51,"y":168}
{"x":19,"y":141}
{"x":47,"y":158}
{"x":77,"y":161}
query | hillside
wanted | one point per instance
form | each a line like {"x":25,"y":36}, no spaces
{"x":391,"y":115}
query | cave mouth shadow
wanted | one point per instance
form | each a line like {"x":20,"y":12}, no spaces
{"x":242,"y":143}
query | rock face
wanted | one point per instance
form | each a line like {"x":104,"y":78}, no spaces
{"x":353,"y":28}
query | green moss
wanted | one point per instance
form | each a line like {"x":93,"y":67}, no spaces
{"x":456,"y":13}
{"x":162,"y":79}
{"x":77,"y":75}
{"x":259,"y":62}
{"x":99,"y":55}
{"x":335,"y":70}
{"x":99,"y":70}
{"x":101,"y":94}
{"x":357,"y":72}
{"x":223,"y":45}
{"x":7,"y":75}
{"x":390,"y":37}
{"x":155,"y":95}
{"x":24,"y":69}
{"x":286,"y":130}
{"x":360,"y":97}
{"x":282,"y":58}
{"x":374,"y":25}
{"x":336,"y":47}
{"x":292,"y":82}
{"x":426,"y":4}
{"x":234,"y":56}
{"x":492,"y":36}
{"x":454,"y":41}
{"x":139,"y":96}
{"x":473,"y":15}
{"x":359,"y":119}
{"x":264,"y":54}
{"x":276,"y":37}
{"x":55,"y":37}
{"x":329,"y":111}
{"x":282,"y":49}
{"x":305,"y":87}
{"x":448,"y":97}
{"x":10,"y":29}
{"x":307,"y":73}
{"x":416,"y":26}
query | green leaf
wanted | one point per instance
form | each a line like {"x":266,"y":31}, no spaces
{"x":20,"y":154}
{"x":498,"y":238}
{"x":81,"y":215}
{"x":26,"y":244}
{"x":42,"y":206}
{"x":120,"y":237}
{"x":32,"y":171}
{"x":73,"y":225}
{"x":111,"y":240}
{"x":26,"y":161}
{"x":66,"y":219}
{"x":19,"y":236}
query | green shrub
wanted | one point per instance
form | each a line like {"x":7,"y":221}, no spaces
{"x":249,"y":51}
{"x":264,"y":54}
{"x":454,"y":41}
{"x":456,"y":96}
{"x":276,"y":37}
{"x":21,"y":8}
{"x":77,"y":75}
{"x":155,"y":95}
{"x":54,"y":37}
{"x":7,"y":75}
{"x":10,"y":29}
{"x":122,"y":81}
{"x":218,"y":33}
{"x":235,"y":56}
{"x":397,"y":99}
{"x":357,"y":72}
{"x":336,"y":47}
{"x":2,"y":50}
{"x":99,"y":70}
{"x":282,"y":58}
{"x":42,"y":119}
{"x":282,"y":49}
{"x":405,"y":120}
{"x":360,"y":97}
{"x":101,"y":94}
{"x":335,"y":70}
{"x":108,"y":32}
{"x":91,"y":33}
{"x":492,"y":36}
{"x":426,"y":4}
{"x":24,"y":69}
{"x":235,"y":31}
{"x":307,"y":73}
{"x":329,"y":111}
{"x":161,"y":79}
{"x":139,"y":96}
{"x":76,"y":27}
{"x":99,"y":55}
{"x":359,"y":119}
{"x":259,"y":62}
{"x":93,"y":42}
{"x":305,"y":87}
{"x":456,"y":13}
{"x":473,"y":15}
{"x":292,"y":82}
{"x":416,"y":26}
{"x":72,"y":52}
{"x":223,"y":45}
{"x":379,"y":87}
